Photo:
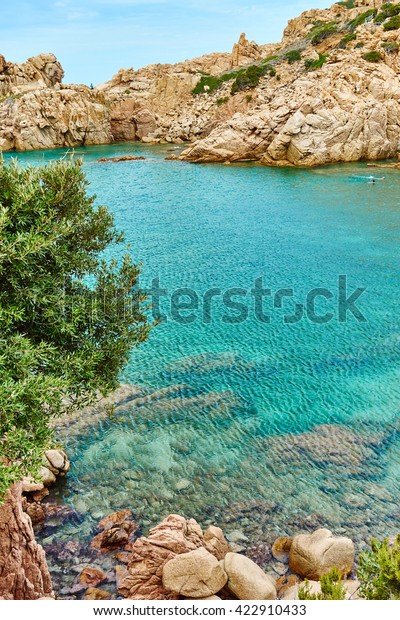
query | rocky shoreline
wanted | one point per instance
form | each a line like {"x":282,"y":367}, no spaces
{"x":328,"y":92}
{"x":113,"y":558}
{"x":176,"y":561}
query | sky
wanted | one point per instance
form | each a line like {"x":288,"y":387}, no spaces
{"x":93,"y":39}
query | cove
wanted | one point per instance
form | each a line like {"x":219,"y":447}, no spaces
{"x":271,"y":428}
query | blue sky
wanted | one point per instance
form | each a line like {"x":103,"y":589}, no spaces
{"x":94,"y":38}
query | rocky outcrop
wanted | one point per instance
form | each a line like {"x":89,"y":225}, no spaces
{"x":314,"y":555}
{"x":23,"y":570}
{"x":244,"y":52}
{"x":316,"y":97}
{"x":144,"y":576}
{"x":55,"y":464}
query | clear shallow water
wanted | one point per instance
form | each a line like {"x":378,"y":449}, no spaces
{"x":227,"y":447}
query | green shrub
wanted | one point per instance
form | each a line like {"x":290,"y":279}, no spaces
{"x":248,"y":77}
{"x":372,"y":56}
{"x":249,"y":98}
{"x":359,"y":45}
{"x":293,"y":56}
{"x":390,"y":46}
{"x":392,"y":24}
{"x":332,"y":588}
{"x":272,"y":72}
{"x":361,"y":19}
{"x":322,"y":31}
{"x":68,"y":318}
{"x":379,"y":571}
{"x":212,"y":82}
{"x":349,"y":37}
{"x":222,"y":100}
{"x":349,"y":4}
{"x":312,"y":65}
{"x":269,"y":58}
{"x":387,"y":10}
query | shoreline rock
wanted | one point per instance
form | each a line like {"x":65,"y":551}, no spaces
{"x":312,"y":99}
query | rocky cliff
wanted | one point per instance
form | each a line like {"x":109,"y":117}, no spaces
{"x":329,"y":91}
{"x":23,"y":570}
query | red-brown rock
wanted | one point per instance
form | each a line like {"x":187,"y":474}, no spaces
{"x":91,"y":576}
{"x":149,"y":555}
{"x":23,"y":570}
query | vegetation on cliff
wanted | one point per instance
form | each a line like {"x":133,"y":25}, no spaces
{"x":68,"y":319}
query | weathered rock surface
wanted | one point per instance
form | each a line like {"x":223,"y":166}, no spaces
{"x":281,"y":548}
{"x":143,"y":579}
{"x":246,"y":580}
{"x":197,"y":574}
{"x":346,"y":109}
{"x":91,"y":576}
{"x":116,"y":530}
{"x":215,"y":542}
{"x":23,"y":570}
{"x":314,"y":555}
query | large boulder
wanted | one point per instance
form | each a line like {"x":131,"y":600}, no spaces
{"x":246,"y":580}
{"x":197,"y":574}
{"x":314,"y":555}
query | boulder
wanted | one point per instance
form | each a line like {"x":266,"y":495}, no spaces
{"x":91,"y":576}
{"x":57,"y":461}
{"x":117,"y":529}
{"x":281,"y":548}
{"x":313,"y":555}
{"x":197,"y":574}
{"x":215,"y":543}
{"x":246,"y":580}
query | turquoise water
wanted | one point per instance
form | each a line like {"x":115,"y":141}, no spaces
{"x":231,"y":446}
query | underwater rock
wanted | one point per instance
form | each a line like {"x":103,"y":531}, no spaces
{"x":260,"y":553}
{"x":326,"y":444}
{"x":91,"y":576}
{"x":36,"y":512}
{"x":95,"y":594}
{"x":117,"y":529}
{"x":281,"y":548}
{"x":121,"y":158}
